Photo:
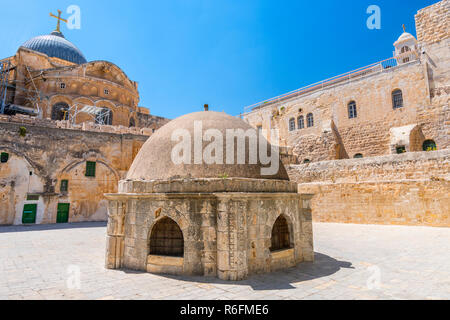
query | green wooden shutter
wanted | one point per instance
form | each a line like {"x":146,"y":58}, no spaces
{"x":4,"y":157}
{"x":90,"y":169}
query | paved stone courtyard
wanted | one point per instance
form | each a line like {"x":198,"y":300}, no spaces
{"x":352,"y":262}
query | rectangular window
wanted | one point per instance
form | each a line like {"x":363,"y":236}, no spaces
{"x":397,"y":99}
{"x":4,"y":157}
{"x":90,"y":169}
{"x":32,"y":197}
{"x":352,"y":110}
{"x":64,"y":186}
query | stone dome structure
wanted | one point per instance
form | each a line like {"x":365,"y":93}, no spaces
{"x":221,"y":220}
{"x":154,"y":161}
{"x":56,"y":46}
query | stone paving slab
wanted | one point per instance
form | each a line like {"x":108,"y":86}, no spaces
{"x":352,"y":262}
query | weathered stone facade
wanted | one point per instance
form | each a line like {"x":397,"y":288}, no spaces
{"x":45,"y":156}
{"x":225,"y":234}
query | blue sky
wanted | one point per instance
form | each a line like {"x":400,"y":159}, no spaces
{"x":227,"y":53}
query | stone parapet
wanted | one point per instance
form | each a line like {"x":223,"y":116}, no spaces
{"x":207,"y":185}
{"x":433,"y":165}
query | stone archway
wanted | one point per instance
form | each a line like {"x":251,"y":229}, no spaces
{"x":280,"y":239}
{"x":429,"y":145}
{"x":60,"y":111}
{"x":166,"y":239}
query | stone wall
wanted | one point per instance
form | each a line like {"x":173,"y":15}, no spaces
{"x":432,"y":23}
{"x":227,"y":235}
{"x":154,"y":123}
{"x":150,"y":121}
{"x":408,"y":189}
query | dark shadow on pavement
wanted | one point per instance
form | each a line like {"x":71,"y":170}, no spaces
{"x":44,"y":227}
{"x":323,"y":266}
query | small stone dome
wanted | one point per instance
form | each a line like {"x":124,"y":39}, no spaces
{"x":55,"y":45}
{"x":404,"y":38}
{"x":154,"y":161}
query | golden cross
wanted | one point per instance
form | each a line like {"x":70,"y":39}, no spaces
{"x":404,"y":28}
{"x":59,"y":20}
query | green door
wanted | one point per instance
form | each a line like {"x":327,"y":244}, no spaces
{"x":63,"y":213}
{"x":29,"y":213}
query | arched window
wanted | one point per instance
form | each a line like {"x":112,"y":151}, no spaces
{"x":280,"y":235}
{"x":405,"y":49}
{"x":310,"y":119}
{"x":60,"y":111}
{"x":132,"y":123}
{"x":358,"y":156}
{"x":301,"y":122}
{"x":166,"y":239}
{"x":291,"y":124}
{"x":397,"y":99}
{"x":306,"y":161}
{"x":352,"y":110}
{"x":429,"y":145}
{"x":104,"y":117}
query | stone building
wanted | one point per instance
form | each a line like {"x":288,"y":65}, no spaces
{"x":379,"y":112}
{"x":397,"y":105}
{"x":224,"y":220}
{"x":69,"y":131}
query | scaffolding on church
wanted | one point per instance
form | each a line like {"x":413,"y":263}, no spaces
{"x":101,"y":116}
{"x":9,"y":86}
{"x":5,"y":68}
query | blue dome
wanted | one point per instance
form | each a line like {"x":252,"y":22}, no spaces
{"x":56,"y":46}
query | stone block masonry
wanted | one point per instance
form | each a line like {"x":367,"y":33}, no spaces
{"x":408,"y":189}
{"x":432,"y":23}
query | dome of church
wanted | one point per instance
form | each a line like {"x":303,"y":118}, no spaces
{"x":406,"y":36}
{"x":56,"y":46}
{"x":154,"y":161}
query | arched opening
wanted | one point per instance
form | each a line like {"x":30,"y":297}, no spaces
{"x":405,"y":49}
{"x":167,"y":239}
{"x":132,"y":123}
{"x":306,"y":161}
{"x":358,"y":156}
{"x":280,"y":235}
{"x":429,"y":145}
{"x":310,"y":119}
{"x":352,"y":113}
{"x":397,"y":99}
{"x":60,"y":111}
